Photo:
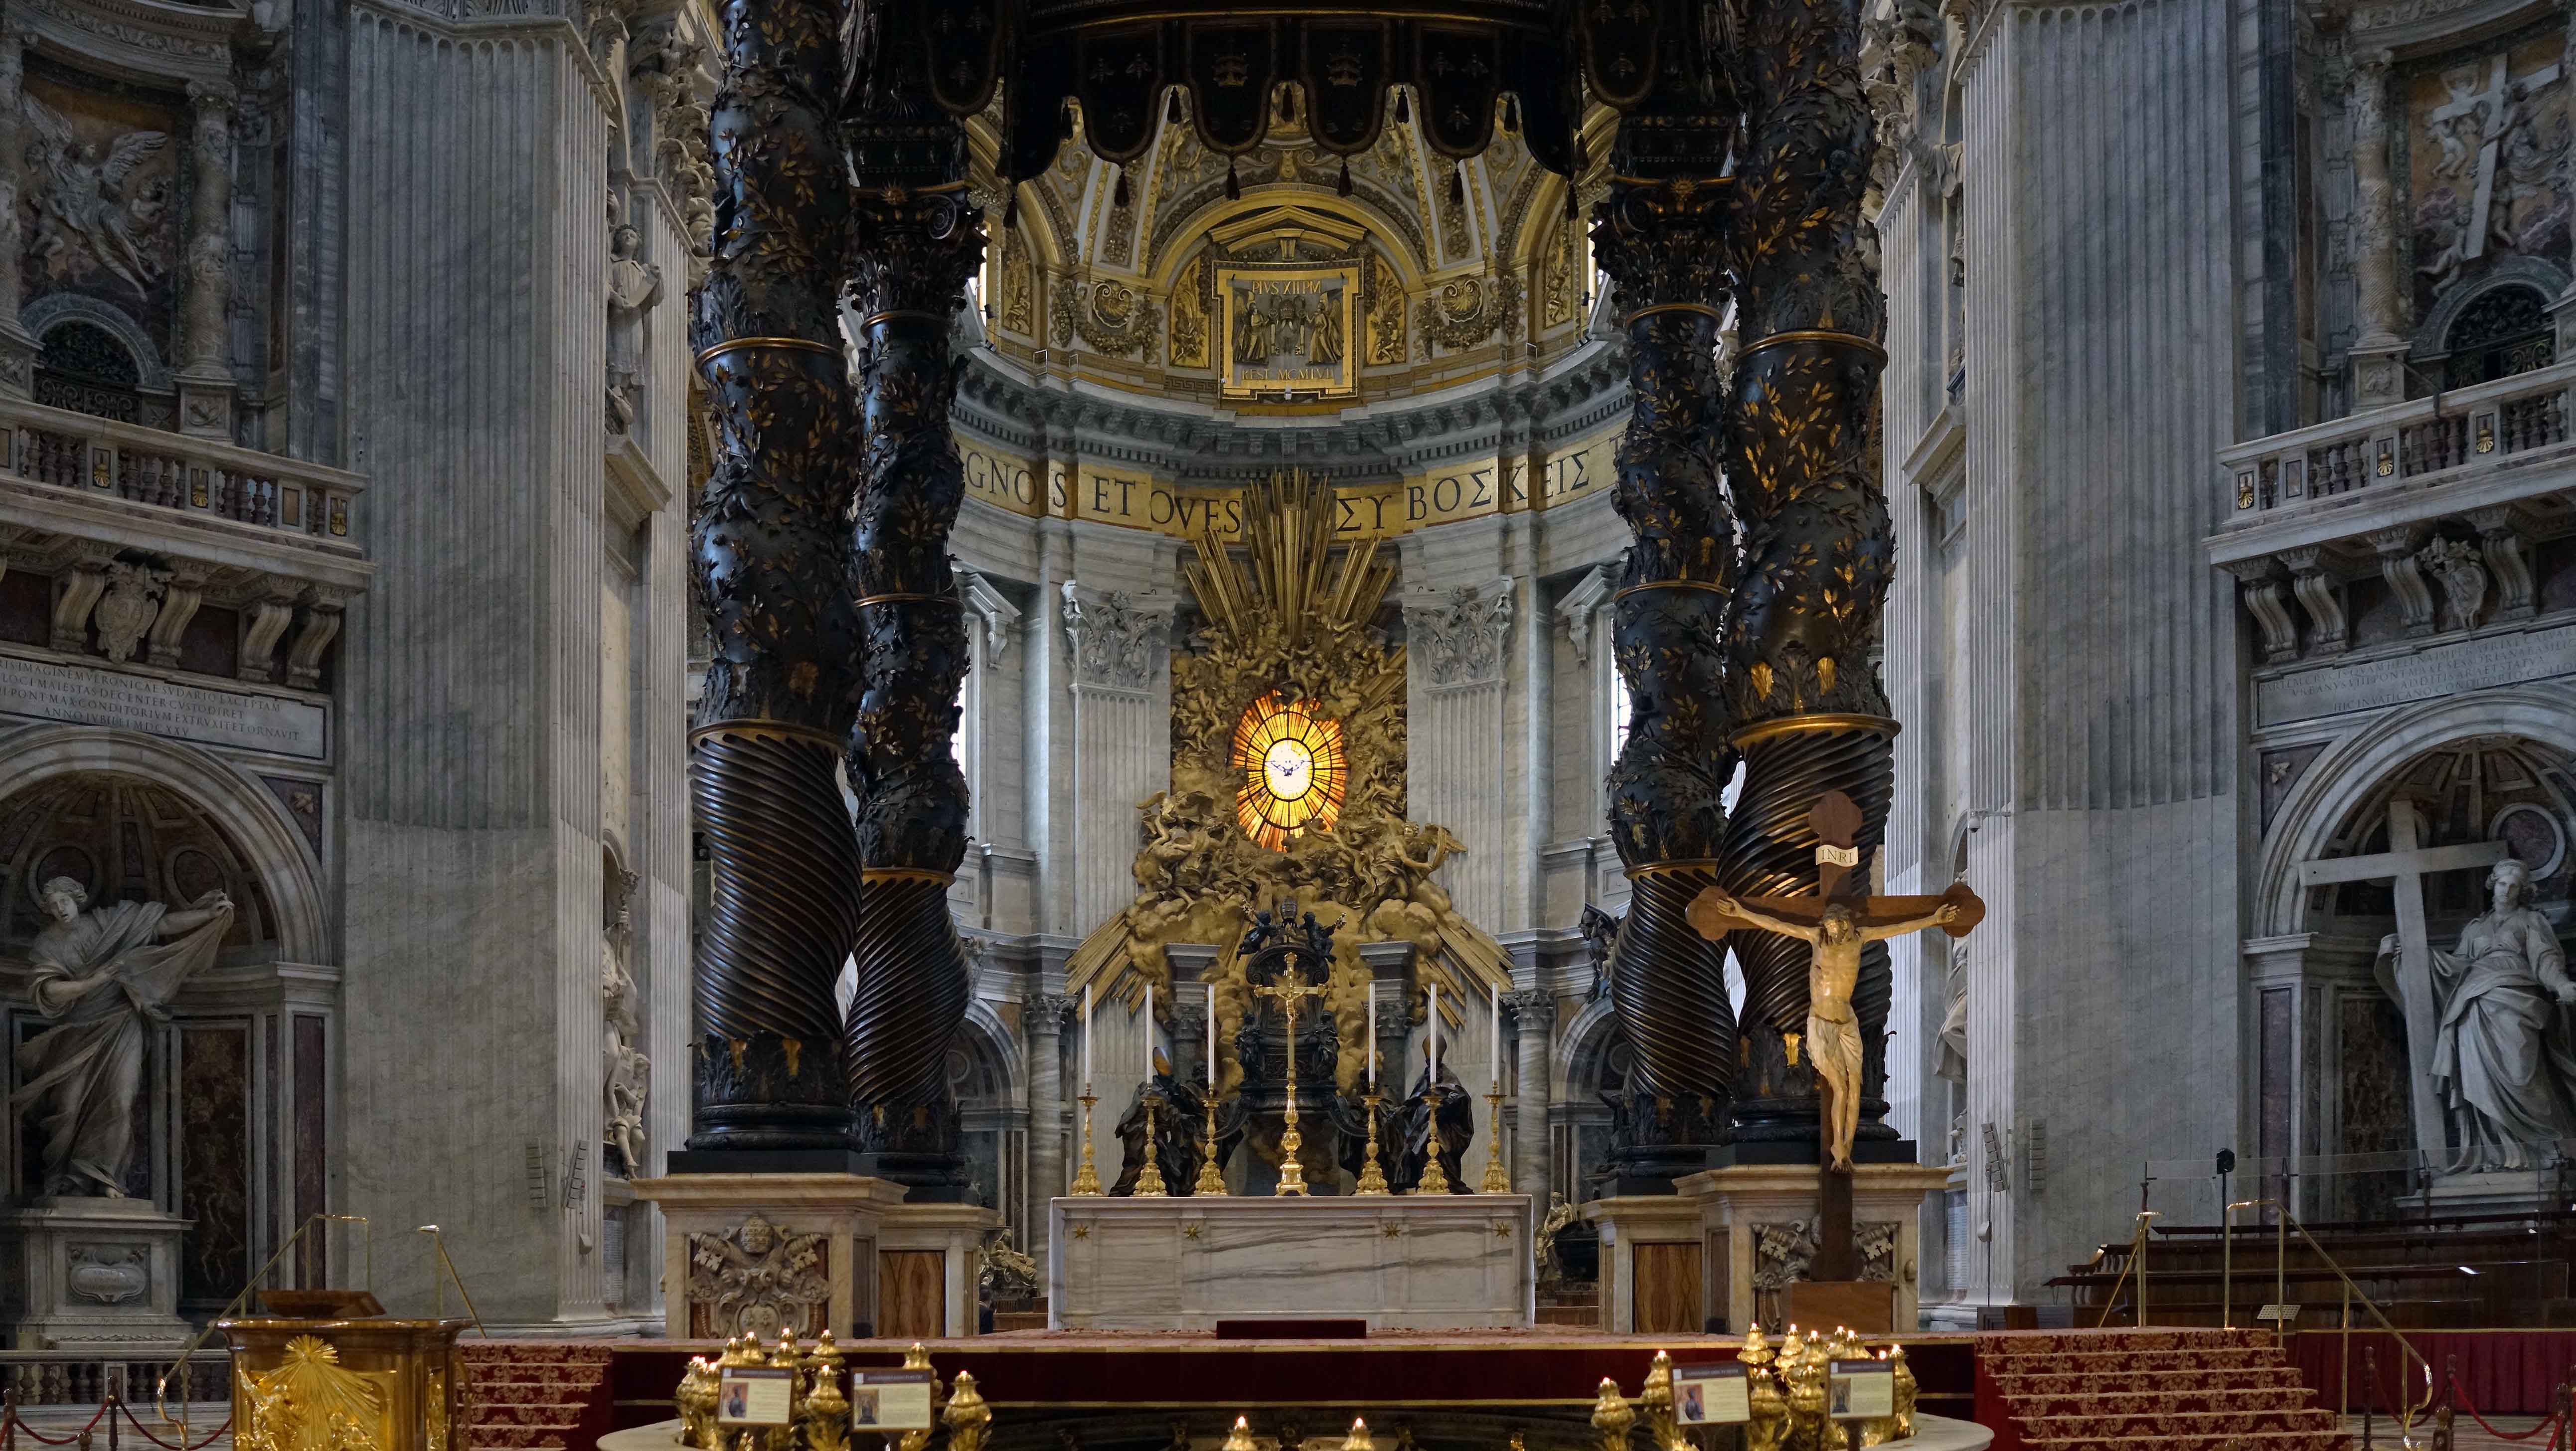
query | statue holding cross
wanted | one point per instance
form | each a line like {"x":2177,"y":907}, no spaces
{"x":1837,"y":924}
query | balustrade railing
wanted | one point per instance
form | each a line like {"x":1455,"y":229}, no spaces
{"x":32,"y":1378}
{"x":2415,"y":440}
{"x":101,"y":457}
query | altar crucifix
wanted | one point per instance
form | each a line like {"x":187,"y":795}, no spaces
{"x":1290,"y":988}
{"x":1839,"y":920}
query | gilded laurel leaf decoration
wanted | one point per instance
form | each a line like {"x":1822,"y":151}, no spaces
{"x":1292,"y":654}
{"x":310,"y":1402}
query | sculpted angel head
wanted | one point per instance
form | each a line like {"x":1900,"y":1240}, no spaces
{"x":63,"y":898}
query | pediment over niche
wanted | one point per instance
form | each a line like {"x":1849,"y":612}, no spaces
{"x":1287,"y":233}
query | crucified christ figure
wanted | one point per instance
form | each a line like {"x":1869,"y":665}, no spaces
{"x":1833,"y":1031}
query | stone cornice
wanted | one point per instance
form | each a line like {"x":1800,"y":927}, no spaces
{"x":139,"y":39}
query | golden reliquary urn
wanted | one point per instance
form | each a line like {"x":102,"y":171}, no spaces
{"x":335,"y":1374}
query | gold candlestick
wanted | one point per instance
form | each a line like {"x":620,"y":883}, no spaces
{"x":1211,"y":1179}
{"x":1149,"y":1180}
{"x":1497,"y":1180}
{"x":1372,"y":1178}
{"x":1435,"y":1179}
{"x":1086,"y":1181}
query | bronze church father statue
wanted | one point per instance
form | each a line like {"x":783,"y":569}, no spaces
{"x":101,"y":978}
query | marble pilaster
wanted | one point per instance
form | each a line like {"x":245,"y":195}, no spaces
{"x":1044,"y":1020}
{"x":1535,"y":1014}
{"x":205,"y":374}
{"x":1122,"y":747}
{"x":17,"y":345}
{"x":2379,"y":354}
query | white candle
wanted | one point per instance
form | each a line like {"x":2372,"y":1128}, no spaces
{"x":1496,"y":1003}
{"x":1086,"y":1037}
{"x":1211,"y":1032}
{"x":1372,"y":1043}
{"x":1149,"y":1035}
{"x":1434,"y":1021}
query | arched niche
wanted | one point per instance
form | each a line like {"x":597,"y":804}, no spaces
{"x":191,"y":801}
{"x":2338,"y":807}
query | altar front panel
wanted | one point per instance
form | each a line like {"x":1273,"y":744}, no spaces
{"x":1416,"y":1262}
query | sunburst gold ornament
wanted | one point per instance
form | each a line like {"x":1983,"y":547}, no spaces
{"x":1294,"y":770}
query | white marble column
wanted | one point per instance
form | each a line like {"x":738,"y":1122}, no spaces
{"x":205,"y":373}
{"x":1459,"y":771}
{"x":472,"y":371}
{"x":2379,"y":354}
{"x":1534,"y":1013}
{"x":1043,"y":1024}
{"x":17,"y":346}
{"x":1122,"y":735}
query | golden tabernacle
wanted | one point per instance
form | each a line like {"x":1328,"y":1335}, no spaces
{"x":349,"y":1384}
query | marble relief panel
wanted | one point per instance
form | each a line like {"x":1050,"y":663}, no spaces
{"x":214,"y":1169}
{"x":2484,"y":136}
{"x":100,"y":207}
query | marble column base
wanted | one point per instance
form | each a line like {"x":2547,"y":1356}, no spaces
{"x":206,"y":404}
{"x":2497,"y":1191}
{"x":1401,"y":1262}
{"x":1634,"y":1230}
{"x":2378,"y":372}
{"x":93,"y":1274}
{"x":761,"y":1253}
{"x":1762,"y":1223}
{"x":908,"y":1237}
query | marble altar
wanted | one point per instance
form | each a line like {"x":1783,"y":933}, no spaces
{"x":1410,"y":1262}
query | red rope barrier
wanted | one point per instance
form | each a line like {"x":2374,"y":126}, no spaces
{"x":2552,"y":1424}
{"x":42,"y":1439}
{"x":146,"y":1432}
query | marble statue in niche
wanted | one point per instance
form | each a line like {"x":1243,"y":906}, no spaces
{"x":2503,"y":1062}
{"x":102,"y":978}
{"x":101,"y":198}
{"x":627,"y":1074}
{"x":634,"y":288}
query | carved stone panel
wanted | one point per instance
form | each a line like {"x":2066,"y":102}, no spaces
{"x":757,"y":1279}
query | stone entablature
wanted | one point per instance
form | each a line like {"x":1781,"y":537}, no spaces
{"x":1038,"y":450}
{"x":140,"y":530}
{"x":2436,"y":508}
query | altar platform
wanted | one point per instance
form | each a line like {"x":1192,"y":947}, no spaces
{"x":1399,"y":1262}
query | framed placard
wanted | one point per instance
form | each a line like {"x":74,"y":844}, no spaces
{"x":890,"y":1400}
{"x":1288,"y":329}
{"x":1860,"y":1390}
{"x":755,"y":1395}
{"x":1715,"y":1394}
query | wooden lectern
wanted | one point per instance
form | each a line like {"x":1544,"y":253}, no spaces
{"x":333,"y":1374}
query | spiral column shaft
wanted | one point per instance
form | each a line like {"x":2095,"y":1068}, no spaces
{"x":773,"y":581}
{"x":916,"y":241}
{"x":1810,"y":712}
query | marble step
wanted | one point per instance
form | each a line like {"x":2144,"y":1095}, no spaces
{"x":2115,"y":1425}
{"x":2111,"y":1382}
{"x":2222,"y":1441}
{"x":2105,"y":1403}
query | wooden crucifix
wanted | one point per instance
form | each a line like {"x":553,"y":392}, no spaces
{"x":1837,"y":922}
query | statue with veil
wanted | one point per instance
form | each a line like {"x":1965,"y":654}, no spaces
{"x":103,"y":978}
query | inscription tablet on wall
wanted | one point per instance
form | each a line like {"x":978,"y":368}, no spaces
{"x":2444,"y":668}
{"x":79,"y":695}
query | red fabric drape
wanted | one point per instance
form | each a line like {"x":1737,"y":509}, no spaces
{"x":2501,"y":1372}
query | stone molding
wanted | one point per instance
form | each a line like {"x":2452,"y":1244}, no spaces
{"x":143,"y":39}
{"x":1459,"y":636}
{"x":1117,"y":638}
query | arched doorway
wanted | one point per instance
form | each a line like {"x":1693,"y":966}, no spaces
{"x":2403,"y":820}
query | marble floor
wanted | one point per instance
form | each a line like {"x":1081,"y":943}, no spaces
{"x":2466,"y":1434}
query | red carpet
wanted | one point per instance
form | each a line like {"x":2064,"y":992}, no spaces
{"x":534,"y":1395}
{"x":2130,"y":1390}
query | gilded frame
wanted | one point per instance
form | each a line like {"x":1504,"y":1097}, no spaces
{"x":1344,"y":379}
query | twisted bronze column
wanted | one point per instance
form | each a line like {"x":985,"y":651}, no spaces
{"x":1660,"y":236}
{"x":772,"y":577}
{"x":1811,"y":715}
{"x":916,"y":241}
